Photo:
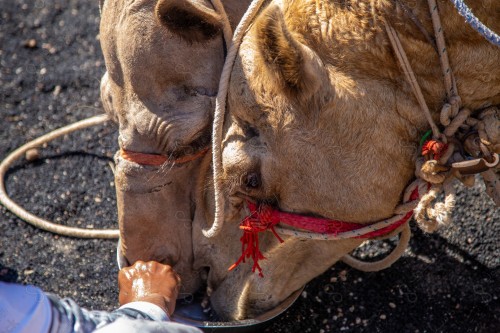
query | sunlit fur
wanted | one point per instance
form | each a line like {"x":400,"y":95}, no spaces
{"x":338,"y":126}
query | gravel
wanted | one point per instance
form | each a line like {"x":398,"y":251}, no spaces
{"x":51,"y":65}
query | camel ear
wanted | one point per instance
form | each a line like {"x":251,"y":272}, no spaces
{"x":291,"y":64}
{"x":191,"y":20}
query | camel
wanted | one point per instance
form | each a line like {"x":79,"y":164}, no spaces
{"x":163,"y":61}
{"x":321,"y":122}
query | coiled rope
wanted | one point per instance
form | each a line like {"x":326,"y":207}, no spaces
{"x":43,"y":224}
{"x":46,"y":225}
{"x":33,"y":219}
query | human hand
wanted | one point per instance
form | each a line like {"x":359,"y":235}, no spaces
{"x":149,"y":282}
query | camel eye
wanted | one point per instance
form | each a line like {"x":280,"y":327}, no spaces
{"x":193,"y":23}
{"x":249,"y":130}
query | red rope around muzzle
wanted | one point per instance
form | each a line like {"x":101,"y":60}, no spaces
{"x":263,"y":217}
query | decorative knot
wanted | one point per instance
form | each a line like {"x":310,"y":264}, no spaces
{"x":434,"y":149}
{"x":262,"y":217}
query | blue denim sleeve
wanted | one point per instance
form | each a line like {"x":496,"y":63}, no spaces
{"x":23,"y":309}
{"x":27,"y":309}
{"x":136,"y":317}
{"x":68,"y":317}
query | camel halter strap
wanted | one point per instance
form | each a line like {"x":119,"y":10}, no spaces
{"x":264,"y":217}
{"x":159,"y":159}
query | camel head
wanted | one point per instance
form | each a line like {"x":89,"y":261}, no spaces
{"x":321,"y":122}
{"x":163,"y":61}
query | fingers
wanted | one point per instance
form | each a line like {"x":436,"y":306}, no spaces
{"x":127,"y":273}
{"x":144,"y":279}
{"x":152,"y":266}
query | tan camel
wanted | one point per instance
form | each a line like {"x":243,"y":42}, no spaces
{"x":322,"y":122}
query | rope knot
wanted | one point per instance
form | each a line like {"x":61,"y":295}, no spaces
{"x":262,"y":217}
{"x":434,"y":149}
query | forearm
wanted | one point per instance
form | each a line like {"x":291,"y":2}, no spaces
{"x":134,"y":317}
{"x":28,"y":309}
{"x":67,"y":316}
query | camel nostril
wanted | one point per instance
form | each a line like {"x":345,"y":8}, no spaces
{"x":252,"y":180}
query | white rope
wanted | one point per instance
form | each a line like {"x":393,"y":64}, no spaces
{"x":33,"y":219}
{"x":443,"y":54}
{"x":474,"y":22}
{"x":410,"y":77}
{"x":220,"y":108}
{"x":391,"y":258}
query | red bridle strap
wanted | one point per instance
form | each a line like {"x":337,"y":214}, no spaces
{"x":158,"y":159}
{"x":264,"y":217}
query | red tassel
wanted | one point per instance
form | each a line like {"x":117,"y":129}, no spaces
{"x":261,"y":218}
{"x":264,"y":218}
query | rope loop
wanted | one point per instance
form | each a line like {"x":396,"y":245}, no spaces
{"x":33,"y":219}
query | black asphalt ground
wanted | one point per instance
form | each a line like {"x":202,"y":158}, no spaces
{"x":51,"y":65}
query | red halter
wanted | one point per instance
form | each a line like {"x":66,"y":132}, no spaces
{"x":264,"y":217}
{"x":157,"y":159}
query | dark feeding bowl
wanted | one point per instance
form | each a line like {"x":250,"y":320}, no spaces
{"x":192,"y":313}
